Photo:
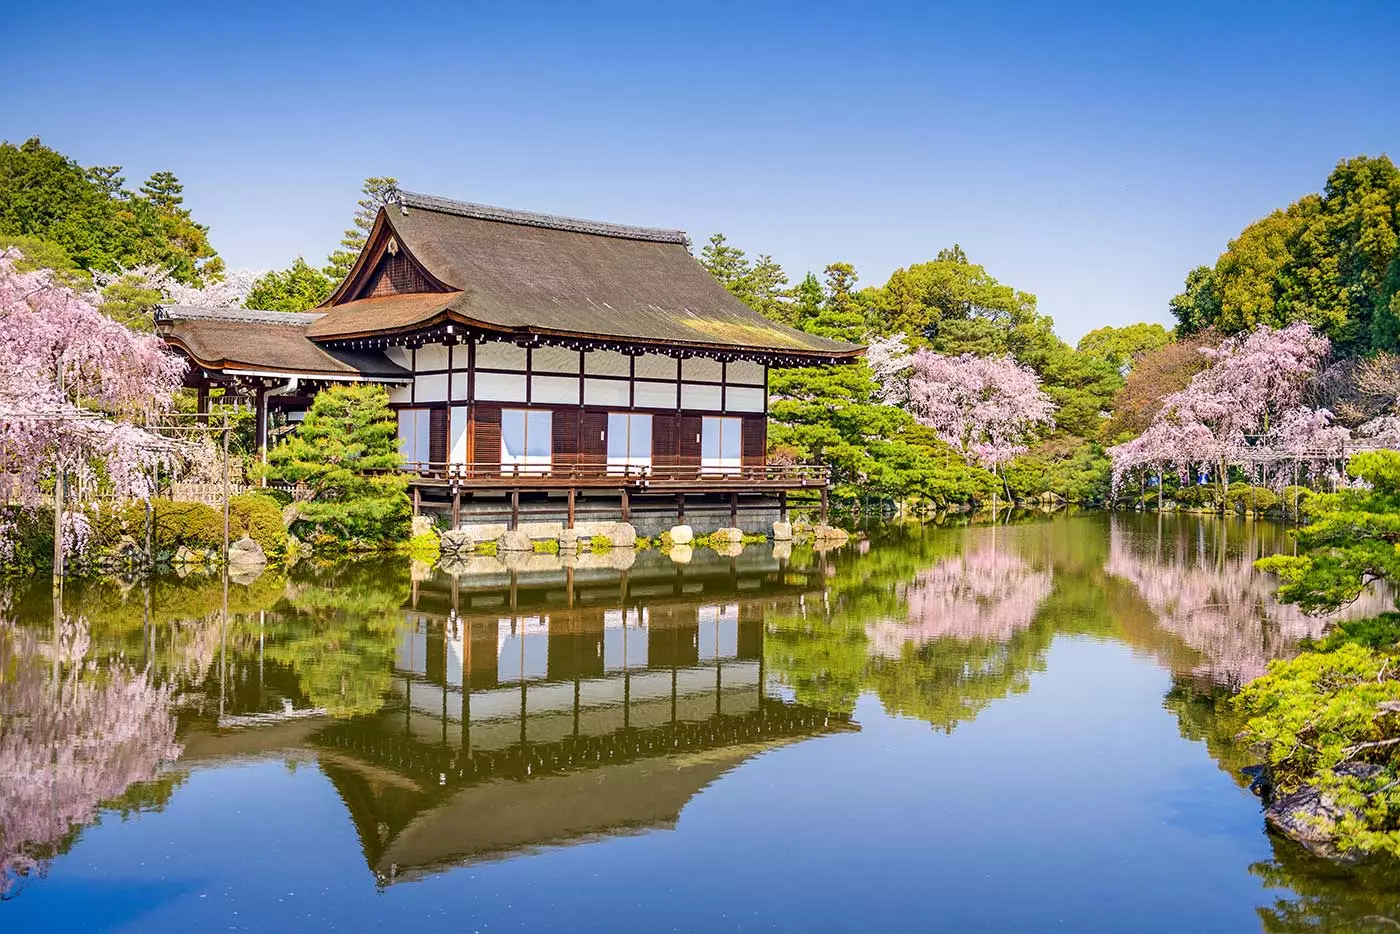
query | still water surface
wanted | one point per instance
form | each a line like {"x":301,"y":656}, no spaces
{"x":1019,"y":728}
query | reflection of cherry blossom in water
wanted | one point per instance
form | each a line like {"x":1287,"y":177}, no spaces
{"x":72,"y":735}
{"x":986,"y":592}
{"x":1210,"y":597}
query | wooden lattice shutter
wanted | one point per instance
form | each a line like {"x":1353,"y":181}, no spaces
{"x":486,"y":439}
{"x":689,"y":447}
{"x":593,"y":437}
{"x":396,"y":275}
{"x":754,"y":441}
{"x":663,"y":440}
{"x":566,"y":436}
{"x":437,"y":436}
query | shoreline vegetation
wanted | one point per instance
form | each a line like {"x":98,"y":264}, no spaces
{"x":1276,"y":394}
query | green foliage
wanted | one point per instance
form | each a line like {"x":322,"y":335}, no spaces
{"x":1321,"y":710}
{"x":1119,"y":347}
{"x":425,"y":547}
{"x":1250,"y":499}
{"x":1073,"y":469}
{"x":259,"y":517}
{"x":38,"y":253}
{"x":1329,"y":259}
{"x":1377,"y":632}
{"x":1350,"y":540}
{"x":130,"y":300}
{"x":297,"y":288}
{"x":346,"y":453}
{"x":191,"y":525}
{"x":97,"y":223}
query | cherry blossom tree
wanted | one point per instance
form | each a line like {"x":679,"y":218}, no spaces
{"x":1250,"y":397}
{"x":987,"y":408}
{"x":75,"y":387}
{"x":890,"y":359}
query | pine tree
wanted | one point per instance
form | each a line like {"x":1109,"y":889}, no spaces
{"x":842,"y":313}
{"x":346,"y":453}
{"x":376,"y":190}
{"x":730,"y":266}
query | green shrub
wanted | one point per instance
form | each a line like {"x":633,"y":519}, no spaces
{"x":1295,"y":498}
{"x":548,"y":546}
{"x":1199,"y":495}
{"x":1321,"y":710}
{"x":260,"y":518}
{"x":1255,"y":499}
{"x":191,"y":525}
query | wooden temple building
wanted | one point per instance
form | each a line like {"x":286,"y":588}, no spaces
{"x":529,"y":354}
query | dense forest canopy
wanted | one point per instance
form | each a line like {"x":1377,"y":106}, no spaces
{"x":1329,"y":259}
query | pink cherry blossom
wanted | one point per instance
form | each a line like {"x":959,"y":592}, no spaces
{"x":75,"y":386}
{"x":987,"y":408}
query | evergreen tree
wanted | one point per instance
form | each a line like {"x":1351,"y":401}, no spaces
{"x":769,"y":294}
{"x":297,"y":288}
{"x":842,"y":313}
{"x":346,"y":453}
{"x":376,"y":191}
{"x":98,"y":223}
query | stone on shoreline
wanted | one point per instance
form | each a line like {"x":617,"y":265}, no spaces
{"x":682,"y":535}
{"x":1309,"y":815}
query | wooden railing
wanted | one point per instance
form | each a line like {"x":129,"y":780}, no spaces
{"x":657,"y":477}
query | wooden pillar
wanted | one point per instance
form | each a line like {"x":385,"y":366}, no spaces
{"x":733,"y":509}
{"x":571,"y":507}
{"x":260,"y":417}
{"x":417,"y":500}
{"x":626,"y":505}
{"x":680,"y":509}
{"x":202,"y":404}
{"x":782,"y":506}
{"x":824,"y":505}
{"x":514,"y":509}
{"x":456,"y":508}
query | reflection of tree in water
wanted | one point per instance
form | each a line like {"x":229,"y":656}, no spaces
{"x":76,"y":733}
{"x":1204,"y":589}
{"x":337,"y":632}
{"x":1314,"y":894}
{"x":984,"y":593}
{"x":938,"y":625}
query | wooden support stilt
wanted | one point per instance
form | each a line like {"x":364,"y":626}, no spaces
{"x":626,"y":505}
{"x":572,"y":492}
{"x":514,"y":510}
{"x":417,"y":501}
{"x":456,"y":508}
{"x":680,"y":509}
{"x":824,"y":506}
{"x":782,"y":506}
{"x":733,"y":509}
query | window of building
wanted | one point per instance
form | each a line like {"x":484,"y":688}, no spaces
{"x":413,"y":437}
{"x":527,"y":440}
{"x":719,"y":445}
{"x":629,"y":441}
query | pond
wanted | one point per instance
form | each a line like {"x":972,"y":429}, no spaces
{"x":1013,"y":728}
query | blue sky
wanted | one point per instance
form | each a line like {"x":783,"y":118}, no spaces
{"x":1088,"y":153}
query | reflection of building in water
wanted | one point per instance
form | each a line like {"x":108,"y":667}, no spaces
{"x":549,"y":714}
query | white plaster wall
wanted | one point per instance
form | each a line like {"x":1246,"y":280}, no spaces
{"x":431,"y":388}
{"x":743,"y":399}
{"x":500,"y":387}
{"x":500,"y":355}
{"x":700,"y":397}
{"x":656,"y":366}
{"x":606,"y":363}
{"x":656,"y":395}
{"x":554,"y":360}
{"x":560,"y":390}
{"x":603,"y":392}
{"x":432,"y":357}
{"x":701,"y":368}
{"x":745,"y":371}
